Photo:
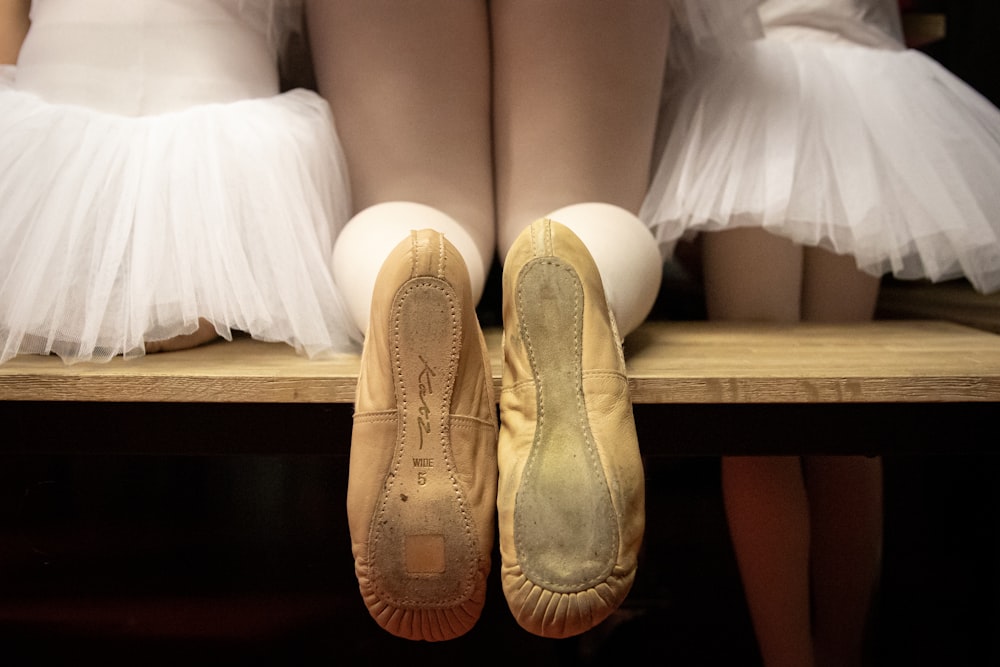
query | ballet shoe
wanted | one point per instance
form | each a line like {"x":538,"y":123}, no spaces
{"x":422,"y":483}
{"x":571,"y":490}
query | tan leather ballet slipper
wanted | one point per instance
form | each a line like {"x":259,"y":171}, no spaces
{"x":571,"y":494}
{"x":422,"y":488}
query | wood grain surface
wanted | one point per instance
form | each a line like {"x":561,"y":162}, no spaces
{"x":668,"y":362}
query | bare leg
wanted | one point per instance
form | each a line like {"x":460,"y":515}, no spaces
{"x":13,"y":27}
{"x":845,"y":493}
{"x":205,"y":333}
{"x":834,"y":290}
{"x":772,"y":550}
{"x":805,"y":545}
{"x":845,"y":496}
{"x":409,"y":85}
{"x":751,"y":274}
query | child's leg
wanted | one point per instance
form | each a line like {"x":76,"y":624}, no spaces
{"x":13,"y":27}
{"x":750,"y":274}
{"x":577,"y":87}
{"x":788,"y":531}
{"x":845,"y":493}
{"x":768,"y":513}
{"x":845,"y":500}
{"x":205,"y":333}
{"x":409,"y":87}
{"x":753,"y":275}
{"x":576,"y":93}
{"x":834,"y":290}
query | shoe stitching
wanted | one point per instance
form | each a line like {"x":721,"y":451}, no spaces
{"x":441,"y":257}
{"x":517,"y":386}
{"x":617,"y":375}
{"x":581,"y":407}
{"x":380,"y":417}
{"x":468,"y":422}
{"x":414,"y":253}
{"x":469,"y":590}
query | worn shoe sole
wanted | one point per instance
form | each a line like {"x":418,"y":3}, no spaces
{"x":571,"y":495}
{"x":423,"y":556}
{"x":565,"y":527}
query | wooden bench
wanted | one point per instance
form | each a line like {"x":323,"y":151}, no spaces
{"x":698,"y":388}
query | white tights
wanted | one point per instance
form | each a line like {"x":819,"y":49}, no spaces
{"x":370,"y":236}
{"x":623,"y":249}
{"x":493,"y":115}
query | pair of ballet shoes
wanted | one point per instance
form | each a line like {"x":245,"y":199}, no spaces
{"x":429,"y":471}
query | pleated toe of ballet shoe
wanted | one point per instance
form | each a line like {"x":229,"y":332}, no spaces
{"x":422,"y":482}
{"x":571,"y":491}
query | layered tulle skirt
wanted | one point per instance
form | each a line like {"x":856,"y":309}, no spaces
{"x":879,"y":154}
{"x":118,"y":230}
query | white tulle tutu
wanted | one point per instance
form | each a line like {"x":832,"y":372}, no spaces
{"x":700,"y":27}
{"x":881,"y":154}
{"x":117,"y":230}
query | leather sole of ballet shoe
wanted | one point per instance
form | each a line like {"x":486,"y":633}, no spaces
{"x":423,"y":555}
{"x":565,"y":526}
